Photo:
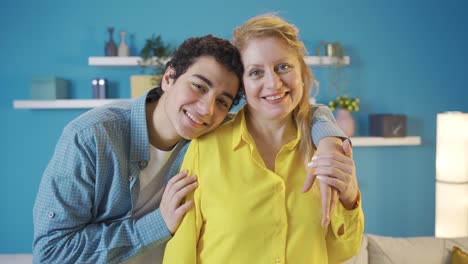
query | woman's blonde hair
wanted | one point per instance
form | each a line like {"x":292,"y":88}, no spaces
{"x":271,"y":25}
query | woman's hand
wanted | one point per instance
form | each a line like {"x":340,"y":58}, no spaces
{"x":327,"y":149}
{"x":338,"y":171}
{"x":328,"y":195}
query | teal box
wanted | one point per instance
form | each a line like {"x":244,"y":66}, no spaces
{"x":48,"y":88}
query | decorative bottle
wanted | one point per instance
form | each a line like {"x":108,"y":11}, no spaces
{"x":123,"y":47}
{"x":111,"y":48}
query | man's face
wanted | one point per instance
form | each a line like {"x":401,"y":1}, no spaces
{"x":199,"y":100}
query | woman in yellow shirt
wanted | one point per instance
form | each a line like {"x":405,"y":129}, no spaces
{"x":249,"y":207}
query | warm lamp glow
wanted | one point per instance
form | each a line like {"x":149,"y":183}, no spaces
{"x":452,"y":175}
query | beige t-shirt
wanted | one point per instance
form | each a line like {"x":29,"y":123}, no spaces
{"x":149,"y":199}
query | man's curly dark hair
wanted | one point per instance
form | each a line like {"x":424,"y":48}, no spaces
{"x":223,"y":51}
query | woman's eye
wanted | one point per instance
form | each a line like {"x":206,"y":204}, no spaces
{"x":284,"y":67}
{"x":254,"y":73}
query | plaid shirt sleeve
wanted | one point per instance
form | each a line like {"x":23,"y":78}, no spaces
{"x":324,"y":124}
{"x":72,"y":223}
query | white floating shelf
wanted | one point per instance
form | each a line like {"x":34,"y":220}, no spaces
{"x":135,"y":61}
{"x":385,"y":141}
{"x":326,"y":60}
{"x":62,"y":104}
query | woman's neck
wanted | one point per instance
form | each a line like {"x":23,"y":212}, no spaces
{"x":277,"y":131}
{"x":270,"y":135}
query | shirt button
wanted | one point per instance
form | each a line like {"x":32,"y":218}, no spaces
{"x":143,"y":164}
{"x":130,"y":178}
{"x":51,"y":215}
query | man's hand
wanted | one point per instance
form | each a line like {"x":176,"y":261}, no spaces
{"x":172,"y":209}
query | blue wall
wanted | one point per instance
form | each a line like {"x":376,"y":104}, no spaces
{"x":406,"y":57}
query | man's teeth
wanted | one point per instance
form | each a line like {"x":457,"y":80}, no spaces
{"x":275,"y":97}
{"x":194,"y":119}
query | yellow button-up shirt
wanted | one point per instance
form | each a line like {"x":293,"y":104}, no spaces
{"x":246,"y":213}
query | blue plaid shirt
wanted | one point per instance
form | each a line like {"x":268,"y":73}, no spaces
{"x":82,"y":212}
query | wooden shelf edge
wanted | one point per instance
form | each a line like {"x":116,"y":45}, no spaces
{"x":135,"y":61}
{"x":386,"y":141}
{"x":62,"y":103}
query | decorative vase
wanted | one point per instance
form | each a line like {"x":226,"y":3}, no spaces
{"x":345,"y":120}
{"x":110,"y":48}
{"x":123,"y":47}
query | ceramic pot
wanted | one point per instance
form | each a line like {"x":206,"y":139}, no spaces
{"x":345,"y":120}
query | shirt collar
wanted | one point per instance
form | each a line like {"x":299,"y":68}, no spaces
{"x":240,"y":134}
{"x":293,"y":143}
{"x":139,"y":149}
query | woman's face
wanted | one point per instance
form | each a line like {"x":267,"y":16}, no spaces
{"x":272,"y":78}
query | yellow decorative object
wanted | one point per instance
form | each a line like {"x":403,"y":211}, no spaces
{"x":345,"y":102}
{"x":140,"y":84}
{"x":459,"y":256}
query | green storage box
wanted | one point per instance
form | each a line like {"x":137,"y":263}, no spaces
{"x":48,"y":88}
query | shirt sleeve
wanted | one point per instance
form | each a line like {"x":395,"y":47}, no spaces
{"x":345,"y":243}
{"x":324,"y":124}
{"x":182,"y":248}
{"x":66,"y":229}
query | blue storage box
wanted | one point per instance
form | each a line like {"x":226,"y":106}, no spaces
{"x":48,"y":88}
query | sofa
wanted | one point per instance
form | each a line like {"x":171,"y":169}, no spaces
{"x":411,"y":250}
{"x":374,"y":249}
{"x":15,"y":258}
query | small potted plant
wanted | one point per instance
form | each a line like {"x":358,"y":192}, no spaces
{"x":154,"y":55}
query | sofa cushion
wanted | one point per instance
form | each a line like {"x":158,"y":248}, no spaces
{"x":405,"y":250}
{"x":16,"y":258}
